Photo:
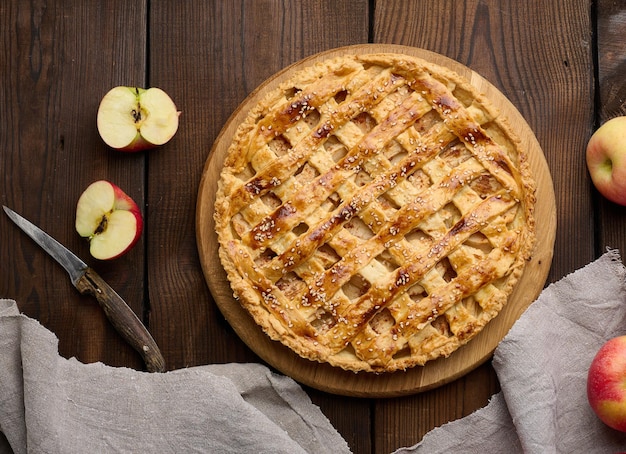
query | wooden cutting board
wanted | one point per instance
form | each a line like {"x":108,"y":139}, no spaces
{"x":335,"y":380}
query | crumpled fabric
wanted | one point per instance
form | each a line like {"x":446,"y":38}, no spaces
{"x":49,"y":404}
{"x":542,"y":366}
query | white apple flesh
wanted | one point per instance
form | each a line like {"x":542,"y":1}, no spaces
{"x":109,"y":219}
{"x":134,"y":119}
{"x":606,"y":159}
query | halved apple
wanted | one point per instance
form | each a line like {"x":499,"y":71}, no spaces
{"x":134,"y":119}
{"x":109,"y":218}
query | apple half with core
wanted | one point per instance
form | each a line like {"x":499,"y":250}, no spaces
{"x":109,"y":218}
{"x":606,"y":383}
{"x":606,"y":159}
{"x":134,"y":119}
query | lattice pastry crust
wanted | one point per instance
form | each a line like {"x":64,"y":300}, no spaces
{"x":374,"y":212}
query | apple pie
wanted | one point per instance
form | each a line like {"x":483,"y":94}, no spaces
{"x":374,"y":212}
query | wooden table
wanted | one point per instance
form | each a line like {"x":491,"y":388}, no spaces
{"x":562,"y":64}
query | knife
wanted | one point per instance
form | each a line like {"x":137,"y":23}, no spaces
{"x":88,"y":282}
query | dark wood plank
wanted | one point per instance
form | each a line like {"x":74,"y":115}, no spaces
{"x":403,"y":421}
{"x":51,"y":151}
{"x":209,"y":56}
{"x":195,"y":63}
{"x":535,"y":57}
{"x":611,"y":41}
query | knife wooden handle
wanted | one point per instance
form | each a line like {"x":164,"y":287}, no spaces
{"x":123,"y":319}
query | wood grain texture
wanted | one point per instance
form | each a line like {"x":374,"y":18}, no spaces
{"x":403,"y":421}
{"x":611,"y":41}
{"x":49,"y":138}
{"x":197,"y":61}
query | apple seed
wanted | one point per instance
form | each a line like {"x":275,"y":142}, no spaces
{"x":102,"y":226}
{"x":136,"y":113}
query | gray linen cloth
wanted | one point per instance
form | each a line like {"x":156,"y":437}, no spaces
{"x":542,"y":366}
{"x":49,"y":404}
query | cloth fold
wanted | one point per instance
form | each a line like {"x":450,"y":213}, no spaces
{"x":542,"y":366}
{"x":49,"y":404}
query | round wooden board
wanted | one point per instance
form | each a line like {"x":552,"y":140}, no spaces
{"x":335,"y":380}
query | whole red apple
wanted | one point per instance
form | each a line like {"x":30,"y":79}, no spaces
{"x":606,"y":159}
{"x":606,"y":383}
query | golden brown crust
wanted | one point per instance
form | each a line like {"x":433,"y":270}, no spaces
{"x":374,"y":212}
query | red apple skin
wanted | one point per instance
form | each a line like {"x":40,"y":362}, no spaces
{"x":606,"y":159}
{"x":606,"y":383}
{"x":138,"y":144}
{"x":123,"y":202}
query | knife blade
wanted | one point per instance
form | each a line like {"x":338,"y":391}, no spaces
{"x":88,"y":282}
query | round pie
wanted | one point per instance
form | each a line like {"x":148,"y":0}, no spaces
{"x":374,"y":212}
